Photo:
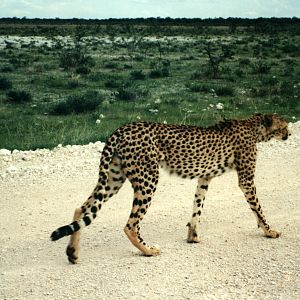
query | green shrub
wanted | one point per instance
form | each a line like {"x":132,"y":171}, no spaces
{"x":244,"y":62}
{"x":219,"y":90}
{"x":198,"y":74}
{"x":200,"y":87}
{"x":113,"y":82}
{"x":19,"y":96}
{"x":160,"y":68}
{"x":239,"y":73}
{"x":83,"y":70}
{"x":127,"y":94}
{"x":288,"y":88}
{"x":73,"y":83}
{"x":261,"y":67}
{"x":5,"y":84}
{"x":159,"y":73}
{"x":137,"y":75}
{"x":78,"y":104}
{"x":259,"y":91}
{"x":269,"y":80}
{"x":111,"y":65}
{"x":55,"y":81}
{"x":74,"y":58}
{"x":224,"y":90}
{"x":7,"y":69}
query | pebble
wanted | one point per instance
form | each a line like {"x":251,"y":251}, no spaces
{"x":5,"y":152}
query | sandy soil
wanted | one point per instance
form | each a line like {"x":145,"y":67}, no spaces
{"x":40,"y":190}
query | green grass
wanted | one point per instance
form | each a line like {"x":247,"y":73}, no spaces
{"x":122,"y":81}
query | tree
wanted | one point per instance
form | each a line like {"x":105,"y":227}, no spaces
{"x":216,"y":56}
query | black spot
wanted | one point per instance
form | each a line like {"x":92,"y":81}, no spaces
{"x":99,"y":196}
{"x":86,"y":220}
{"x":204,"y":187}
{"x":94,"y":209}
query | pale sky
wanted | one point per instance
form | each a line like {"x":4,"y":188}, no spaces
{"x":103,"y":9}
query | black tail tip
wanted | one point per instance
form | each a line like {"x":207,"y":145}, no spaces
{"x":61,"y":232}
{"x":55,"y":235}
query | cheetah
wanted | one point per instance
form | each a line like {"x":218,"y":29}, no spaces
{"x":135,"y":151}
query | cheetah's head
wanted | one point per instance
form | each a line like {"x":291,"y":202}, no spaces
{"x":276,"y":127}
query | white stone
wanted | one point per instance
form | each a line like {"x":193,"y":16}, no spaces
{"x":5,"y":152}
{"x":12,"y":169}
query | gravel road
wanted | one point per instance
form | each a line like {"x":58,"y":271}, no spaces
{"x":40,"y":190}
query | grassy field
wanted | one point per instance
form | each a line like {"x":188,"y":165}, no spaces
{"x":78,"y":88}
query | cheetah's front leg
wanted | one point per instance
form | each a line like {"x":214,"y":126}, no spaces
{"x":246,"y":184}
{"x":193,"y":232}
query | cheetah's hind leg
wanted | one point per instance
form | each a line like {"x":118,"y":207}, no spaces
{"x":143,"y":192}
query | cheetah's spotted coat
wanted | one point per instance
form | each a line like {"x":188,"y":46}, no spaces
{"x":136,"y":150}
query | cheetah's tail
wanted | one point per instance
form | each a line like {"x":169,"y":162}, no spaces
{"x":71,"y":228}
{"x":106,"y":158}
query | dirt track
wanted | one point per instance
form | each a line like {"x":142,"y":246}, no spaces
{"x":40,"y":190}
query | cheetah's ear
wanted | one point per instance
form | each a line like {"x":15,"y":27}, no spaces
{"x":268,"y":120}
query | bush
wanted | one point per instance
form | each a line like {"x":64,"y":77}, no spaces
{"x":160,"y":69}
{"x":74,"y":58}
{"x":288,"y":88}
{"x":269,"y":80}
{"x":73,"y":83}
{"x":78,"y":104}
{"x":83,"y":70}
{"x":200,"y":87}
{"x":111,"y":65}
{"x":244,"y":61}
{"x":113,"y":82}
{"x":239,"y":73}
{"x":259,"y":91}
{"x":127,"y":94}
{"x":137,"y":75}
{"x":7,"y":69}
{"x":224,"y":90}
{"x":53,"y":81}
{"x":219,"y":90}
{"x":19,"y":96}
{"x":159,"y":73}
{"x":5,"y":84}
{"x":261,"y":67}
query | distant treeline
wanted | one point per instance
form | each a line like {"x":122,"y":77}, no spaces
{"x":152,"y":25}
